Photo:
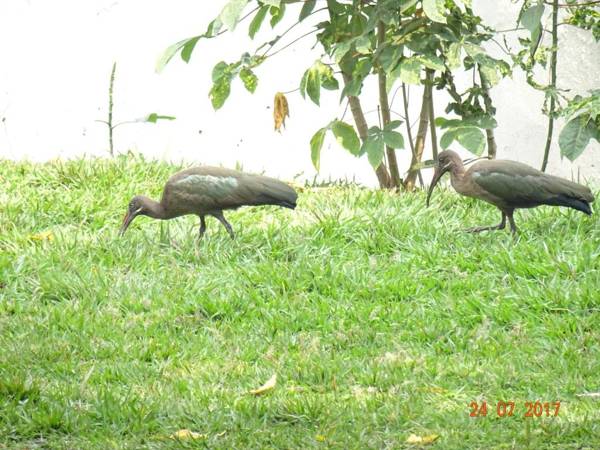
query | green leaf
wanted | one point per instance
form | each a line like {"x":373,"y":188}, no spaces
{"x":220,"y":70}
{"x":168,"y":54}
{"x":188,"y":48}
{"x":346,"y":136}
{"x":219,"y":92}
{"x":490,"y":73}
{"x":316,"y":143}
{"x":153,"y":118}
{"x":187,"y":45}
{"x":328,"y":80}
{"x":231,"y":13}
{"x":435,"y":10}
{"x":410,"y":70}
{"x":249,"y":79}
{"x":313,"y":84}
{"x":257,"y":21}
{"x":447,"y":138}
{"x":307,"y":8}
{"x":453,"y":55}
{"x":374,"y":148}
{"x":479,"y":121}
{"x":389,"y":57}
{"x":340,"y":50}
{"x":432,"y":62}
{"x":471,"y":138}
{"x":473,"y":50}
{"x":363,"y":44}
{"x":277,"y":13}
{"x":575,"y":136}
{"x":393,"y":125}
{"x":393,"y":139}
{"x":353,"y":88}
{"x":303,"y":83}
{"x":531,"y":18}
{"x":407,"y":4}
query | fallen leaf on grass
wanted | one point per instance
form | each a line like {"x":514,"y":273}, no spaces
{"x":186,"y":434}
{"x":43,"y":236}
{"x":424,"y":440}
{"x":269,"y":385}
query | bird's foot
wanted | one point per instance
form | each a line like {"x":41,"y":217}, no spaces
{"x":486,"y":228}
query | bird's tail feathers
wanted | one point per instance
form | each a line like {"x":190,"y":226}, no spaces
{"x":275,"y":192}
{"x":571,"y":202}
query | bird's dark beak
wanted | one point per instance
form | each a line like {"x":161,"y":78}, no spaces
{"x":439,"y":172}
{"x":127,"y":220}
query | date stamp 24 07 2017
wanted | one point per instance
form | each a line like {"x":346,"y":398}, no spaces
{"x":511,"y":409}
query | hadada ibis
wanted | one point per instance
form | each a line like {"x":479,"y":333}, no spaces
{"x":208,"y":191}
{"x":509,"y":185}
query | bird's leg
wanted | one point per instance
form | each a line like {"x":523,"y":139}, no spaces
{"x":219,"y":215}
{"x":511,"y":221}
{"x":202,"y":227}
{"x":500,"y":226}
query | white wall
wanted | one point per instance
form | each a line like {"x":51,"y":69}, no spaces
{"x":57,"y":58}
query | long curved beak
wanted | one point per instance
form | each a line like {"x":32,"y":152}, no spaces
{"x":127,"y":220}
{"x":439,"y":172}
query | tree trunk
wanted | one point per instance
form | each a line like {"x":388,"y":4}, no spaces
{"x":409,"y":182}
{"x":411,"y":141}
{"x":434,"y":143}
{"x":363,"y":130}
{"x":385,"y":112}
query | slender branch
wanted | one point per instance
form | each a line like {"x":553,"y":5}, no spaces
{"x":124,"y":123}
{"x":553,"y":57}
{"x":411,"y":142}
{"x":110,"y":110}
{"x":363,"y":131}
{"x":287,"y":45}
{"x":385,"y":111}
{"x":508,"y":30}
{"x":272,"y":43}
{"x":434,"y":143}
{"x":409,"y":181}
{"x":573,"y":5}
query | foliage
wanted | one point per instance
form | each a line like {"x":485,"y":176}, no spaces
{"x":582,"y":124}
{"x":583,"y":115}
{"x":396,"y":40}
{"x":587,"y":18}
{"x":370,"y":320}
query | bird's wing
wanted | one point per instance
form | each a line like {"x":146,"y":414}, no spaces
{"x":205,"y":189}
{"x":521,"y":185}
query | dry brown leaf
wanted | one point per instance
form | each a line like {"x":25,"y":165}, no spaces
{"x":423,"y":440}
{"x":268,"y":386}
{"x":280,"y":111}
{"x":43,"y":236}
{"x":186,"y":434}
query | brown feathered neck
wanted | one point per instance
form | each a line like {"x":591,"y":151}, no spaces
{"x":152,"y":208}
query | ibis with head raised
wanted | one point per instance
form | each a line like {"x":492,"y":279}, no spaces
{"x":208,"y":191}
{"x":509,"y":185}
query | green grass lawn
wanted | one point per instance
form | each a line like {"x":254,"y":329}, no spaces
{"x":380,"y":318}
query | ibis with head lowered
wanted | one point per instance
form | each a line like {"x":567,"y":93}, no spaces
{"x":208,"y":191}
{"x":509,"y":185}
